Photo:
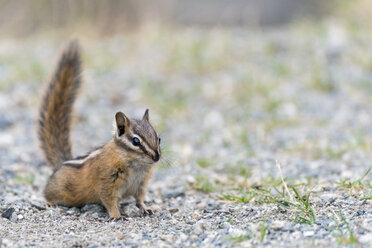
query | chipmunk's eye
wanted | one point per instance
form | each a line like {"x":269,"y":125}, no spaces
{"x":159,"y":140}
{"x":136,"y":141}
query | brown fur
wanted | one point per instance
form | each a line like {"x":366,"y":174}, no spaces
{"x":119,"y":169}
{"x":97,"y":181}
{"x":55,"y":112}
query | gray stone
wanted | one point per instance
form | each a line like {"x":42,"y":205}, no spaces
{"x":277,"y":225}
{"x":38,"y":205}
{"x":95,"y":215}
{"x":212,"y":206}
{"x":201,"y":226}
{"x":7,"y":213}
{"x":92,"y":208}
{"x":5,"y":122}
{"x":73,"y":211}
{"x":14,"y":217}
{"x":362,"y":202}
{"x":174,"y":194}
{"x":173,"y":210}
{"x":165,"y":216}
{"x":359,"y":212}
{"x":93,"y":246}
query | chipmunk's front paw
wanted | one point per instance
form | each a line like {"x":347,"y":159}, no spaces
{"x":113,"y":219}
{"x":147,"y":211}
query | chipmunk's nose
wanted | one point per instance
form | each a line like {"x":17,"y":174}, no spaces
{"x":156,"y":157}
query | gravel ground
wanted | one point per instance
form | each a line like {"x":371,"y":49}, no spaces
{"x":249,"y":120}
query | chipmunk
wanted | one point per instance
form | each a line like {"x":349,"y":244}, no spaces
{"x":119,"y":169}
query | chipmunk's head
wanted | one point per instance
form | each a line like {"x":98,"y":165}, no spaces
{"x":138,"y":138}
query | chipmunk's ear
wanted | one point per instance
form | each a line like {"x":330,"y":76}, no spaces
{"x":122,"y":123}
{"x":146,"y":116}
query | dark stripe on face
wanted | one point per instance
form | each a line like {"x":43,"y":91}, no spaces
{"x":144,"y":150}
{"x":154,"y":158}
{"x":130,"y":138}
{"x":125,"y":147}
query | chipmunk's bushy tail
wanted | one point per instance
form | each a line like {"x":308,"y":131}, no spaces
{"x":56,"y":107}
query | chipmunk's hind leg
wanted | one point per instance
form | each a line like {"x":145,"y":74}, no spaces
{"x":52,"y":192}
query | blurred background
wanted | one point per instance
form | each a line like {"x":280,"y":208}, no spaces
{"x":232,"y":85}
{"x":23,"y":18}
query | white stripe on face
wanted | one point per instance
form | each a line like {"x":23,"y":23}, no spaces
{"x":129,"y":143}
{"x":82,"y":161}
{"x":148,"y":149}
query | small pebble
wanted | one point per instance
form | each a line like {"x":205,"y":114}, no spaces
{"x":174,"y":194}
{"x":120,"y":235}
{"x":38,"y":205}
{"x":308,"y":233}
{"x":7,"y":213}
{"x":173,"y":210}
